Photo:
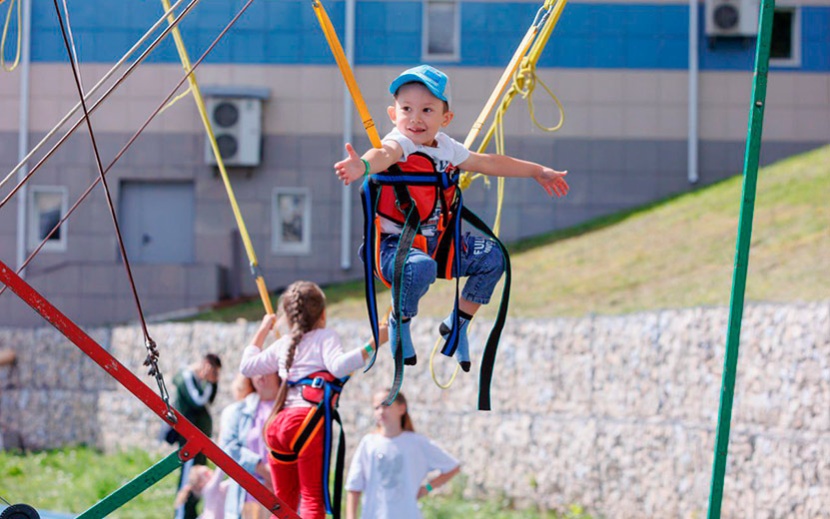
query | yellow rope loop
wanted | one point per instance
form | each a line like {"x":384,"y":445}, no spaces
{"x":558,"y":106}
{"x":525,"y":82}
{"x":5,"y":35}
{"x":525,"y":78}
{"x":432,"y":365}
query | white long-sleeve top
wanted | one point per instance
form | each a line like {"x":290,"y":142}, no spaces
{"x":319,"y":350}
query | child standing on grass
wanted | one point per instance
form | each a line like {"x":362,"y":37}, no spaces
{"x":390,"y":466}
{"x":421,"y":110}
{"x":195,"y":389}
{"x":210,"y":486}
{"x":241,"y":438}
{"x":308,"y":348}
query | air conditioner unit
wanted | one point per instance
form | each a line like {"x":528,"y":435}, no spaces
{"x":732,"y":17}
{"x":237,"y":125}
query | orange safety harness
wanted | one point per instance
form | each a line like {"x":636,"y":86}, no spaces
{"x":322,"y":389}
{"x":408,"y":193}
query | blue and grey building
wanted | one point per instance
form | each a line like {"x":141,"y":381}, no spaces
{"x":656,"y":98}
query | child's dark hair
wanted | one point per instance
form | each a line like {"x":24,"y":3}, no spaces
{"x":303,"y":303}
{"x":214,"y":360}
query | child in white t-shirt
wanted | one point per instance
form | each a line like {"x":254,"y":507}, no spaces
{"x":390,"y":466}
{"x":420,"y":113}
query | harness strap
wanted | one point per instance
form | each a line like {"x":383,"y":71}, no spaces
{"x":488,"y":359}
{"x":333,"y":506}
{"x":446,"y":254}
{"x":321,"y":417}
{"x":407,"y":238}
{"x":369,"y":197}
{"x":340,"y":465}
{"x":308,"y":430}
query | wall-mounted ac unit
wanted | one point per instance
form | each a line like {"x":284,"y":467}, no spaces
{"x":237,"y":125}
{"x":732,"y":17}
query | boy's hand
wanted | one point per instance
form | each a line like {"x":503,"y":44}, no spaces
{"x":553,"y":181}
{"x":351,"y":168}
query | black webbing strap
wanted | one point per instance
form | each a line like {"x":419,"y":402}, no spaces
{"x":488,"y":359}
{"x":442,"y":256}
{"x":407,"y":238}
{"x":340,"y":466}
{"x":369,"y":192}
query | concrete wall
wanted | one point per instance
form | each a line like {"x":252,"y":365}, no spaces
{"x":615,"y":413}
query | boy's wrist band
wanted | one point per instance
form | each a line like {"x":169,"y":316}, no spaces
{"x":366,"y":167}
{"x":428,"y":487}
{"x":368,"y":348}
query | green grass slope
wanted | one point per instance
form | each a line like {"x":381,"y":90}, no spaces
{"x":673,"y":254}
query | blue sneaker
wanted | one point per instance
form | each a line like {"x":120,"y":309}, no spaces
{"x":462,"y":352}
{"x":409,"y":357}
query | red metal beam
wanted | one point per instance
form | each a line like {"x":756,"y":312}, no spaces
{"x":197,"y":441}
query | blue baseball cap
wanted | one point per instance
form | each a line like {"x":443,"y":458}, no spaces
{"x":436,"y":81}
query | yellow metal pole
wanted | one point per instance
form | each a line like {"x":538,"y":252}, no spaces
{"x":200,"y":104}
{"x":506,"y":77}
{"x":526,"y":55}
{"x":346,"y":71}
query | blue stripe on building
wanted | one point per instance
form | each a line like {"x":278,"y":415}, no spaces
{"x":286,"y":32}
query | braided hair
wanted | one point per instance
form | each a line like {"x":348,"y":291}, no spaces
{"x":303,"y":303}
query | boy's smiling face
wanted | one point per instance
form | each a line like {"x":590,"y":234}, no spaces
{"x":418,"y":114}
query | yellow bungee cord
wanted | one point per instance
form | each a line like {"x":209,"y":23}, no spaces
{"x":200,"y":104}
{"x":176,"y":99}
{"x":346,"y":72}
{"x":521,"y":72}
{"x":5,"y":35}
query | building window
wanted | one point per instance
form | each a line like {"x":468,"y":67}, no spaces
{"x":291,"y":221}
{"x":47,"y":204}
{"x":441,"y":38}
{"x":786,"y":35}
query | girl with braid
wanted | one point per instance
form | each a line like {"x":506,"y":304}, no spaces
{"x":306,"y":348}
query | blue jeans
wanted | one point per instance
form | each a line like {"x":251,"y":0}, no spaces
{"x":482,"y":263}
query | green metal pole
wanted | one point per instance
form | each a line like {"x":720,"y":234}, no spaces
{"x":736,"y":307}
{"x":138,"y":485}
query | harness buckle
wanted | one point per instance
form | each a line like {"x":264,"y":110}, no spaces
{"x":318,"y":382}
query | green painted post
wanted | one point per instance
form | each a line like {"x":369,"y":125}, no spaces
{"x":138,"y":485}
{"x":736,"y":307}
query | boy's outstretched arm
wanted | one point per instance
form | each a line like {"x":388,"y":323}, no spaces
{"x":352,"y":167}
{"x":504,"y":166}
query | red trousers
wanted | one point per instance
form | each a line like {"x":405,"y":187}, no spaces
{"x":299,"y":483}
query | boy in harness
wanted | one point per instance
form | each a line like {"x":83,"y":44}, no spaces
{"x":417,"y":144}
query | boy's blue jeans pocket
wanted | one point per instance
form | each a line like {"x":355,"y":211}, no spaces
{"x":482,"y":263}
{"x":419,"y":272}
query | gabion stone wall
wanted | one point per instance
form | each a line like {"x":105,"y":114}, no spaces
{"x":616,"y":414}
